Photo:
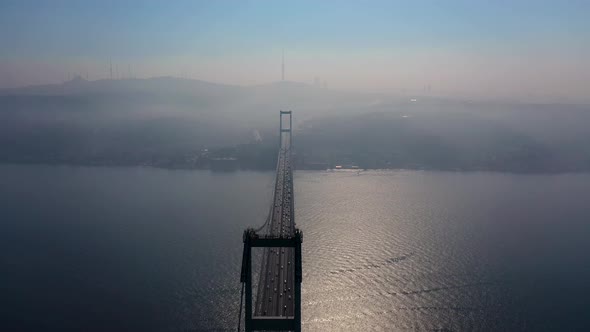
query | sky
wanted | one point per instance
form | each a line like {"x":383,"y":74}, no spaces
{"x":477,"y":49}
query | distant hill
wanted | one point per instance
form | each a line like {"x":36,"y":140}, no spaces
{"x":204,"y":96}
{"x":79,"y":85}
{"x":135,"y":121}
{"x":169,"y":121}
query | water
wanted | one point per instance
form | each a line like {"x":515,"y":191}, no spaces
{"x":445,"y":251}
{"x":124,"y":249}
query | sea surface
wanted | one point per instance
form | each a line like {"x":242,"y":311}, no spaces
{"x":142,"y":249}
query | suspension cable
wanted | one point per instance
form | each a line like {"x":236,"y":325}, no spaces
{"x":269,"y":216}
{"x":241,"y":301}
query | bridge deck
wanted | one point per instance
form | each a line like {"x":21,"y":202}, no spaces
{"x":275,"y":295}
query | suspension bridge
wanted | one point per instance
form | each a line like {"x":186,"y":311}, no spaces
{"x":278,"y":292}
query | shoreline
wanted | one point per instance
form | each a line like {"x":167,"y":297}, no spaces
{"x":344,"y":170}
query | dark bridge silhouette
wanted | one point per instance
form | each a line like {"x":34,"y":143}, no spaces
{"x":278,"y":298}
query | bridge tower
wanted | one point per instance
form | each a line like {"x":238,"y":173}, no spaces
{"x":288,"y":130}
{"x":269,"y":323}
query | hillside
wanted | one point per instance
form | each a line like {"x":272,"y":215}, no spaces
{"x":170,"y":122}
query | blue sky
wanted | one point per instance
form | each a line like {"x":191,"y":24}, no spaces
{"x":320,"y":38}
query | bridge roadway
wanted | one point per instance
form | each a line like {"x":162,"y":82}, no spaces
{"x":275,"y":286}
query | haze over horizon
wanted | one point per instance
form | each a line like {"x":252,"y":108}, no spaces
{"x":530,"y":50}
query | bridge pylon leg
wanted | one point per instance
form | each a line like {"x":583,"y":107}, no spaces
{"x":246,"y":277}
{"x":298,"y":279}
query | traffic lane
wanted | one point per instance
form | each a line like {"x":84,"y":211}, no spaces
{"x":280,"y":224}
